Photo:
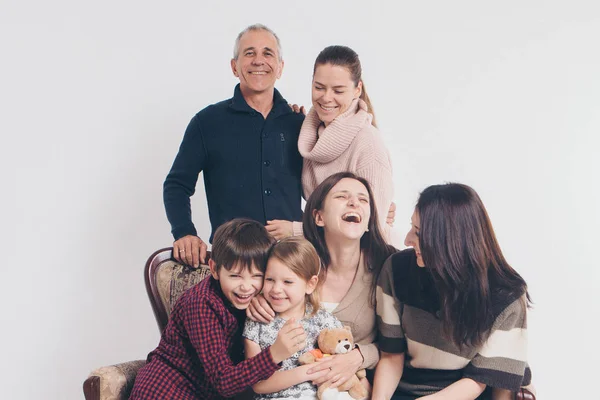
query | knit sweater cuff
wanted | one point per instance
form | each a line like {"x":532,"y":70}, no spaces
{"x":297,"y":228}
{"x":185,"y":230}
{"x":265,"y":359}
{"x":370,"y":354}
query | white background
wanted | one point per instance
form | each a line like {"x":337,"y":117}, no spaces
{"x":95,"y":97}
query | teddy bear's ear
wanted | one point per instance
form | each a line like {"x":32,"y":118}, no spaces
{"x":346,"y":327}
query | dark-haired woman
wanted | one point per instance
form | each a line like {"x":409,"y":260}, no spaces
{"x":451,"y":312}
{"x":339,"y":134}
{"x":340,"y":220}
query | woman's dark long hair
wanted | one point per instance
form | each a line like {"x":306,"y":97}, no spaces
{"x":372,"y":244}
{"x":460,"y":249}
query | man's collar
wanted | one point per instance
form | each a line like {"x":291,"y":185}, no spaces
{"x":280,"y":106}
{"x":238,"y":102}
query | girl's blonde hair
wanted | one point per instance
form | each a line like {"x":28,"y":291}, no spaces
{"x":300,"y":256}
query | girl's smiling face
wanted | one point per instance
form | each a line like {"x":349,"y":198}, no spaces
{"x":286,"y":291}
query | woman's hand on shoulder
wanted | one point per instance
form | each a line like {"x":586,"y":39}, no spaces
{"x":260,"y":310}
{"x":341,"y":368}
{"x":297,"y":109}
{"x":391,"y":215}
{"x":280,"y":229}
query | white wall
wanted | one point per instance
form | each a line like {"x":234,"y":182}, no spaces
{"x":95,"y":96}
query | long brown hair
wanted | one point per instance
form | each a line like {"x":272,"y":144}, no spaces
{"x":300,"y":256}
{"x":372,"y":244}
{"x":346,"y":57}
{"x":460,"y":250}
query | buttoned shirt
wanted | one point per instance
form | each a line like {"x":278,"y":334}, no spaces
{"x":200,"y":353}
{"x":251,"y":165}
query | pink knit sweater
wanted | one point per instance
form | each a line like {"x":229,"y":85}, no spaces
{"x":349,"y":143}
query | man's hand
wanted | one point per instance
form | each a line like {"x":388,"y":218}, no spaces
{"x":290,"y":339}
{"x":280,"y":229}
{"x":391,"y":216}
{"x":190,"y":250}
{"x":297,"y":109}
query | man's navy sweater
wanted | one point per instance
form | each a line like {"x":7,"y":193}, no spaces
{"x":251,"y":165}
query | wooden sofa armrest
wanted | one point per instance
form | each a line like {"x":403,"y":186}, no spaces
{"x":524,"y":394}
{"x":113,"y":382}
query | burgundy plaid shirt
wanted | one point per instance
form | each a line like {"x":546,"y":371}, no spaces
{"x":194,"y":357}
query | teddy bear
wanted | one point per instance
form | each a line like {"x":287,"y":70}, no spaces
{"x":330,"y":342}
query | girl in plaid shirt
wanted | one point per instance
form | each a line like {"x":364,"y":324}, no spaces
{"x":290,"y":286}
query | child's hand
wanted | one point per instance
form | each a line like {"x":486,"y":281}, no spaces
{"x":290,"y":339}
{"x":260,"y":310}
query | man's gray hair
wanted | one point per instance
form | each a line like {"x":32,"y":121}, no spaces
{"x":255,"y":27}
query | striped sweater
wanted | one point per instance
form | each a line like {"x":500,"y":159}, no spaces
{"x":407,"y":318}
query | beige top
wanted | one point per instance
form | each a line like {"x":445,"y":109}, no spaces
{"x":356,"y":311}
{"x":349,"y":143}
{"x":328,"y":306}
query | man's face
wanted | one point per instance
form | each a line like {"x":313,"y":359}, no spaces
{"x":257,"y":65}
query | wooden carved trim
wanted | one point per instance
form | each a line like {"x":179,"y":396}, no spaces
{"x":152,"y":265}
{"x":91,"y":388}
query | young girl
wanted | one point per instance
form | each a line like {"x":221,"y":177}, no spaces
{"x":291,"y":280}
{"x":452,"y":313}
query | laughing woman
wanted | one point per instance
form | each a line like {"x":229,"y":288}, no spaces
{"x":339,"y":134}
{"x":451,"y":312}
{"x":340,"y":220}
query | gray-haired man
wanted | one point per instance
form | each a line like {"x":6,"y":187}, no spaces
{"x":246,"y":146}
